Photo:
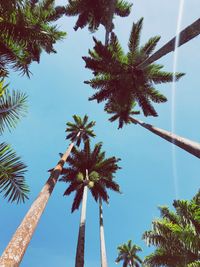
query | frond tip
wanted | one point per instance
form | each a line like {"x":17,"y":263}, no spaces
{"x":12,"y":181}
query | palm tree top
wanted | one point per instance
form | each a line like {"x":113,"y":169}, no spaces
{"x":118,"y":75}
{"x":127,"y":253}
{"x":101,"y":172}
{"x":95,"y":12}
{"x":80,"y":129}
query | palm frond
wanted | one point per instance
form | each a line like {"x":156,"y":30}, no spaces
{"x":12,"y":181}
{"x":12,"y":107}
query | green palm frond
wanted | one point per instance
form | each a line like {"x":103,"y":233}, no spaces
{"x":12,"y":181}
{"x":176,"y":236}
{"x":127,"y":253}
{"x":123,"y":8}
{"x":12,"y":107}
{"x":80,"y":130}
{"x":26,"y":29}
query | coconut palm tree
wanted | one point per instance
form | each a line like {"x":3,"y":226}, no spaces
{"x":128,"y":254}
{"x":186,"y":35}
{"x":26,"y":30}
{"x":176,"y":235}
{"x":96,"y":12}
{"x":89,"y":169}
{"x":12,"y":181}
{"x":13,"y":254}
{"x":121,"y":82}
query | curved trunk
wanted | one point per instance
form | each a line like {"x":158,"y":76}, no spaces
{"x":184,"y":143}
{"x":80,"y":251}
{"x":185,"y":35}
{"x":111,"y":10}
{"x":13,"y":254}
{"x":102,"y":237}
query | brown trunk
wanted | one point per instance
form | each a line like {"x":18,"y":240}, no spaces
{"x":185,"y":35}
{"x":184,"y":143}
{"x":80,"y":251}
{"x":13,"y":254}
{"x":102,"y":237}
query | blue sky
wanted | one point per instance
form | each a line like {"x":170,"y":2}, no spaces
{"x":56,"y":92}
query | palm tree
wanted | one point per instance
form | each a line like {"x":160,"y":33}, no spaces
{"x":128,"y":254}
{"x":96,"y":12}
{"x":117,"y":74}
{"x":12,"y":181}
{"x":176,"y":235}
{"x":186,"y":35}
{"x":13,"y":254}
{"x":26,"y":30}
{"x":89,"y":169}
{"x":121,"y":82}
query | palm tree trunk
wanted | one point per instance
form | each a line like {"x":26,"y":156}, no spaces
{"x":185,"y":35}
{"x":111,"y":10}
{"x":80,"y":251}
{"x":14,"y":252}
{"x":102,"y":237}
{"x":184,"y":143}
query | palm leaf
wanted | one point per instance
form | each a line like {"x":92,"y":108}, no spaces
{"x":12,"y":107}
{"x":12,"y":181}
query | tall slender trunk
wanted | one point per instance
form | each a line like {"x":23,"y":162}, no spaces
{"x":111,"y":10}
{"x":80,"y":251}
{"x":102,"y":237}
{"x":184,"y":143}
{"x":185,"y":35}
{"x":14,"y":252}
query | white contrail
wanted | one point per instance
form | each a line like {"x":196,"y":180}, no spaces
{"x":174,"y":167}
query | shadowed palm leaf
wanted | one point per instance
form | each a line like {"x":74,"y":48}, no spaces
{"x":12,"y":182}
{"x":12,"y":107}
{"x":95,"y":12}
{"x":119,"y":76}
{"x":101,"y":173}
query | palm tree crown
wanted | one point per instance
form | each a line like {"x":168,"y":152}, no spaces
{"x":80,"y":130}
{"x":95,"y":12}
{"x":176,"y":235}
{"x":128,"y":254}
{"x":119,"y":78}
{"x":25,"y":31}
{"x":100,"y":173}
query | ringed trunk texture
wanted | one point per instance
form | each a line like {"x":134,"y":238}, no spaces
{"x":13,"y":254}
{"x":184,"y":143}
{"x":80,"y":251}
{"x":102,"y":237}
{"x":185,"y":35}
